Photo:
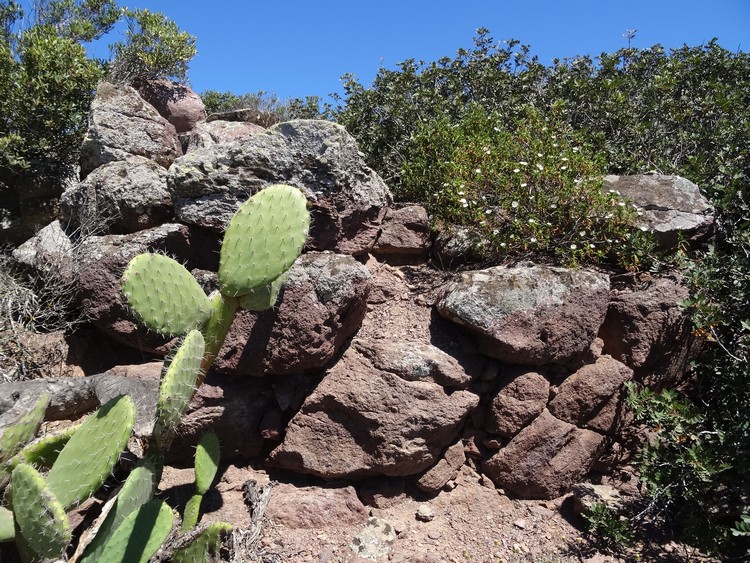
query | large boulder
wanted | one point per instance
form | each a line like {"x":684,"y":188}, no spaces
{"x":322,"y":304}
{"x":670,"y":207}
{"x":121,"y":124}
{"x":209,"y":133}
{"x":48,"y":255}
{"x":348,"y":199}
{"x":126,"y":195}
{"x":362,"y":421}
{"x":529,"y":314}
{"x":646,"y":329}
{"x":177,"y":103}
{"x":545,"y":459}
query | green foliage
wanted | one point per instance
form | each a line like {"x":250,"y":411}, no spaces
{"x":609,"y":528}
{"x":266,"y":102}
{"x":140,"y":535}
{"x":154,"y":47}
{"x":533,"y":188}
{"x":205,"y":544}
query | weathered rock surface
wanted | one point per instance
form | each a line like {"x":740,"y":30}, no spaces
{"x":446,"y":469}
{"x":299,"y":508}
{"x":123,"y":124}
{"x":348,"y":199}
{"x":362,"y":421}
{"x":126,"y":196}
{"x":646,"y":329}
{"x":177,"y":103}
{"x":671,"y":206}
{"x":405,"y":232}
{"x":104,"y":259}
{"x":545,"y":459}
{"x":245,"y":115}
{"x":49,"y":254}
{"x":322,"y":304}
{"x":582,"y":395}
{"x":517,"y":402}
{"x":207,"y":134}
{"x":529,"y":315}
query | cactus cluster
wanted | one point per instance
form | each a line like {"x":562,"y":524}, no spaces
{"x":262,"y":241}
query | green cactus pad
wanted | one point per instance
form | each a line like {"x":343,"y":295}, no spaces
{"x":91,"y":453}
{"x":163,"y":295}
{"x":263,"y":239}
{"x":140,"y":535}
{"x":223,"y":309}
{"x":43,"y":451}
{"x":39,"y":514}
{"x":138,"y":489}
{"x":206,"y":462}
{"x":179,"y":383}
{"x":206,"y":543}
{"x":264,"y":297}
{"x":7,"y":527}
{"x":18,"y":434}
{"x":191,"y":513}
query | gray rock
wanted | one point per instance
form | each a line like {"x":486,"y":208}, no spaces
{"x":545,"y":459}
{"x":582,"y":395}
{"x":375,"y":540}
{"x":207,"y":134}
{"x":49,"y":255}
{"x":348,"y":199}
{"x":177,"y":103}
{"x":127,"y":196}
{"x":587,"y":495}
{"x":671,"y":206}
{"x":517,"y":403}
{"x":361,"y":421}
{"x":321,"y":305}
{"x":123,"y":124}
{"x":529,"y":315}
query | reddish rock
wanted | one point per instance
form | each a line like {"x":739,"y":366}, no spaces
{"x":648,"y":331}
{"x":582,"y":395}
{"x":322,"y":304}
{"x":446,"y":469}
{"x":303,"y":508}
{"x":545,"y":459}
{"x":175,"y":102}
{"x":529,"y":315}
{"x":361,"y":421}
{"x":517,"y":403}
{"x":405,"y":233}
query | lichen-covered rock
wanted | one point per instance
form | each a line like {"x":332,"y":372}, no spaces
{"x":206,"y":134}
{"x":177,"y":103}
{"x":322,"y":304}
{"x":671,"y":207}
{"x":49,"y":255}
{"x":122,"y":124}
{"x":348,"y":199}
{"x":529,"y":314}
{"x":545,"y":459}
{"x":125,"y":196}
{"x":362,"y":421}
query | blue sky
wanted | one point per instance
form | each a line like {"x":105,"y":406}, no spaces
{"x":298,"y":48}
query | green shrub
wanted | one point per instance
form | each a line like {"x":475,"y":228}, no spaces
{"x":262,"y":101}
{"x":154,"y":47}
{"x":535,"y":188}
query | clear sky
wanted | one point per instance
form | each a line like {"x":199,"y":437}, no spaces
{"x":298,"y":48}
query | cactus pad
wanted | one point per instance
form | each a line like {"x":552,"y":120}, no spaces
{"x":263,"y":297}
{"x":263,"y":239}
{"x":206,"y":543}
{"x":206,"y":462}
{"x":191,"y":513}
{"x":18,"y":434}
{"x":7,"y":527}
{"x":140,"y":535}
{"x":178,"y":383}
{"x":138,"y":489}
{"x":92,"y":451}
{"x":39,"y":514}
{"x":163,"y":295}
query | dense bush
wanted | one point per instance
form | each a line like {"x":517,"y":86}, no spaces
{"x":262,"y":101}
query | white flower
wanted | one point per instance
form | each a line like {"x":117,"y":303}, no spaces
{"x":478,"y":170}
{"x":555,"y":145}
{"x":496,"y":129}
{"x":540,"y":155}
{"x":460,"y":193}
{"x":503,"y":244}
{"x":582,"y":233}
{"x":532,"y":221}
{"x":621,"y":204}
{"x":577,"y":181}
{"x":564,"y":159}
{"x":495,"y":231}
{"x":644,"y":229}
{"x":514,"y":204}
{"x":573,"y":247}
{"x":539,"y":166}
{"x":563,"y":168}
{"x":576,"y":149}
{"x":553,"y":206}
{"x":592,"y":246}
{"x":639,"y":213}
{"x":516,"y":170}
{"x":524,"y":185}
{"x":532,"y":239}
{"x":523,"y":163}
{"x":488,"y":211}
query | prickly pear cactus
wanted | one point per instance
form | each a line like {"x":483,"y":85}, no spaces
{"x":18,"y":434}
{"x":7,"y":526}
{"x":206,"y":543}
{"x":138,"y":489}
{"x":140,"y":535}
{"x":163,"y":295}
{"x":39,"y":514}
{"x":263,"y":297}
{"x":207,"y":455}
{"x":91,"y":453}
{"x":178,"y":385}
{"x":43,"y":452}
{"x":263,"y":239}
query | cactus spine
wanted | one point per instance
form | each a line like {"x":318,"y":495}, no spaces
{"x":205,"y":544}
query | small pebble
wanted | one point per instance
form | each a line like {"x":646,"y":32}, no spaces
{"x":520,"y":523}
{"x":425,"y":514}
